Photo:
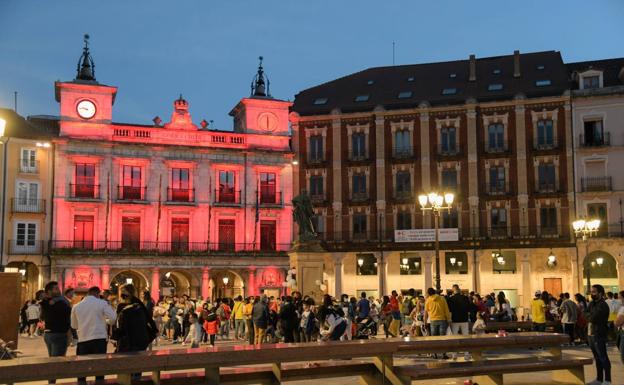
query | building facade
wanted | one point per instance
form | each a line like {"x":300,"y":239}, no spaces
{"x":175,"y":207}
{"x":598,"y":121}
{"x":495,"y":131}
{"x":27,"y":156}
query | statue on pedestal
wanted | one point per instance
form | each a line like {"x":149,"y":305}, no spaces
{"x":302,"y":215}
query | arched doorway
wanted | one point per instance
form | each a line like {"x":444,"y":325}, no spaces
{"x":227,"y":284}
{"x":30,"y":278}
{"x":129,"y":276}
{"x":601,"y":268}
{"x":175,"y":283}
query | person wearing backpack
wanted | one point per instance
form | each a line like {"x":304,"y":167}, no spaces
{"x":223,"y":312}
{"x":211,"y":324}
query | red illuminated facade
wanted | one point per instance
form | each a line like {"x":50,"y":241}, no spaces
{"x":174,"y":207}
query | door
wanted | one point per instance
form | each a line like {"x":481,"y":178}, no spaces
{"x":227,"y":234}
{"x":179,"y":234}
{"x":267,"y":235}
{"x":27,"y":197}
{"x":85,"y":181}
{"x":267,"y":188}
{"x":83,"y":232}
{"x":553,"y":286}
{"x":130,"y":233}
{"x":132,"y":183}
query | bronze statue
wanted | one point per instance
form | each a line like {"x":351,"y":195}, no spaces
{"x":302,"y":214}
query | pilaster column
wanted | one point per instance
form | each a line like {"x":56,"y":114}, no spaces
{"x":425,"y":164}
{"x":428,"y":271}
{"x":525,"y":266}
{"x":380,"y":155}
{"x":574,"y":268}
{"x":252,"y":289}
{"x":473,"y":174}
{"x":155,"y":287}
{"x":337,"y":170}
{"x":294,"y":125}
{"x":382,"y":272}
{"x":205,"y":283}
{"x":338,"y":272}
{"x":476,"y":271}
{"x":105,"y":277}
{"x":521,"y":159}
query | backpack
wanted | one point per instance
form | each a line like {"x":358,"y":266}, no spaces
{"x":338,"y":310}
{"x":408,"y":305}
{"x":211,"y":317}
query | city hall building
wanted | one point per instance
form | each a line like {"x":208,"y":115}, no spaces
{"x":498,"y":132}
{"x":172,"y":207}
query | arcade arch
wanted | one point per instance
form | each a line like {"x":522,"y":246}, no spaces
{"x":601,"y":268}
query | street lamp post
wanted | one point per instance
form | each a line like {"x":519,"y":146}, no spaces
{"x":436,"y":203}
{"x":584,"y":229}
{"x":4,"y":172}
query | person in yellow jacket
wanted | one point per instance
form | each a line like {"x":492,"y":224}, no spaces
{"x":247,"y":312}
{"x":239,"y":320}
{"x":437,"y":313}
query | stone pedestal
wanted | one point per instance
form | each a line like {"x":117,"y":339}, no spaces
{"x":309,"y":265}
{"x":11,"y":287}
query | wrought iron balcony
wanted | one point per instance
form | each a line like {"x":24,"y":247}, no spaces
{"x":448,"y":150}
{"x":28,"y":166}
{"x":359,"y":196}
{"x":25,"y":247}
{"x":180,"y":195}
{"x":226,"y":196}
{"x":403,"y":152}
{"x":84,"y":191}
{"x":166,"y":248}
{"x":131,"y":193}
{"x":596,"y":183}
{"x":22,"y":205}
{"x":545,"y":145}
{"x":318,"y":198}
{"x":271,"y":197}
{"x":546,"y":188}
{"x":497,"y":147}
{"x":595,"y":140}
{"x":358,"y":155}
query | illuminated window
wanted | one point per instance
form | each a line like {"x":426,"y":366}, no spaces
{"x":83,"y":231}
{"x":226,"y":192}
{"x":268,"y":189}
{"x":179,"y":234}
{"x":410,"y":264}
{"x":540,"y":67}
{"x":180,"y":185}
{"x":84,"y":186}
{"x":131,"y":188}
{"x":370,"y":82}
{"x":227,"y":234}
{"x":410,"y":79}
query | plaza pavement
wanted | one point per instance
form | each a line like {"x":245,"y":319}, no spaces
{"x":34,"y":347}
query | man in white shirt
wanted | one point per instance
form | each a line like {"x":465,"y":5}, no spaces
{"x":90,"y":318}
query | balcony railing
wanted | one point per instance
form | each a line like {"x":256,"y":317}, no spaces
{"x":318,"y":198}
{"x":403,"y":152}
{"x":545,"y":145}
{"x":28,"y":166}
{"x":497,"y":189}
{"x":404,"y":196}
{"x":545,"y":188}
{"x":227,"y":197}
{"x":446,"y":150}
{"x":131,"y":193}
{"x":497,"y":147}
{"x":152,"y":247}
{"x":315,"y":159}
{"x":271,"y":197}
{"x":595,"y":140}
{"x":359,"y":196}
{"x":25,"y":247}
{"x":20,"y":205}
{"x":596,"y":183}
{"x":358,"y":156}
{"x":181,"y":195}
{"x":84,"y":191}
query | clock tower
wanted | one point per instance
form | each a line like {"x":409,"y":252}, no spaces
{"x":85,"y":104}
{"x":260,"y":113}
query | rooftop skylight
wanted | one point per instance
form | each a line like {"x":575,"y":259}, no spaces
{"x":495,"y":87}
{"x":453,"y":75}
{"x":410,"y":79}
{"x":496,"y":72}
{"x":370,"y":82}
{"x":361,"y":98}
{"x":405,"y":95}
{"x":540,"y":67}
{"x":320,"y":101}
{"x":449,"y":91}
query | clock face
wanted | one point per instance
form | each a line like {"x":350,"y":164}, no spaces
{"x":267,"y":122}
{"x":86,"y":109}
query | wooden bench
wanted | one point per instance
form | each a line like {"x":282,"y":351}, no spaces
{"x":491,"y":372}
{"x":274,"y":363}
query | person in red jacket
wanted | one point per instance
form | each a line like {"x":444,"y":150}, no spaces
{"x":211,"y":324}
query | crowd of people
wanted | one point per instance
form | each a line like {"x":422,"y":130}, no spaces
{"x":134,"y":322}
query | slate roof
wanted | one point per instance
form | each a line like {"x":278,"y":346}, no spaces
{"x":18,"y":127}
{"x":611,"y":70}
{"x":427,"y":81}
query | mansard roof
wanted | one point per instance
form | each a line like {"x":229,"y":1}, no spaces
{"x":612,"y":70}
{"x":442,"y":83}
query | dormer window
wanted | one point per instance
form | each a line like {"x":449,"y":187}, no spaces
{"x":453,"y":75}
{"x":590,"y":82}
{"x":449,"y":91}
{"x":496,"y":72}
{"x":361,"y":98}
{"x":410,"y":79}
{"x":320,"y":101}
{"x":540,"y":67}
{"x":542,"y":83}
{"x":405,"y":95}
{"x":370,"y":82}
{"x":495,"y":87}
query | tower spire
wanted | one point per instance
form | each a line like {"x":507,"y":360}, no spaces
{"x":260,"y":83}
{"x":85,"y":69}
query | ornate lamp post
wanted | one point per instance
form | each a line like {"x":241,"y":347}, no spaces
{"x":584,"y":229}
{"x":436,"y":203}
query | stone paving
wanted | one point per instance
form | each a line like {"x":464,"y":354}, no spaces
{"x":34,"y":347}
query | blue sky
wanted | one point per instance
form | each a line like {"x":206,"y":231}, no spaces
{"x":153,"y":50}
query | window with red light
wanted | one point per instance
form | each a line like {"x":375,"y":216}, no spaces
{"x":268,"y":193}
{"x":130,"y":233}
{"x":84,"y":186}
{"x":131,"y":183}
{"x":267,"y":235}
{"x":226,"y":192}
{"x":179,"y":190}
{"x":179,"y":234}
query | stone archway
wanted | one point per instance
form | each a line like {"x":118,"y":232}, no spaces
{"x":30,"y":278}
{"x":175,"y":282}
{"x":129,"y":276}
{"x":234,"y":287}
{"x":602,"y":269}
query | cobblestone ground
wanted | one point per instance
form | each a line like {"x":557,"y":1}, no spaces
{"x":34,"y":347}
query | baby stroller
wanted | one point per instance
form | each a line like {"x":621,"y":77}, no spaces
{"x":6,"y":353}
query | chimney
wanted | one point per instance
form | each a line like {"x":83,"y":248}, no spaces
{"x":516,"y":64}
{"x":473,"y":69}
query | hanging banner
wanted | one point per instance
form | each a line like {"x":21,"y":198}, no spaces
{"x":426,"y":235}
